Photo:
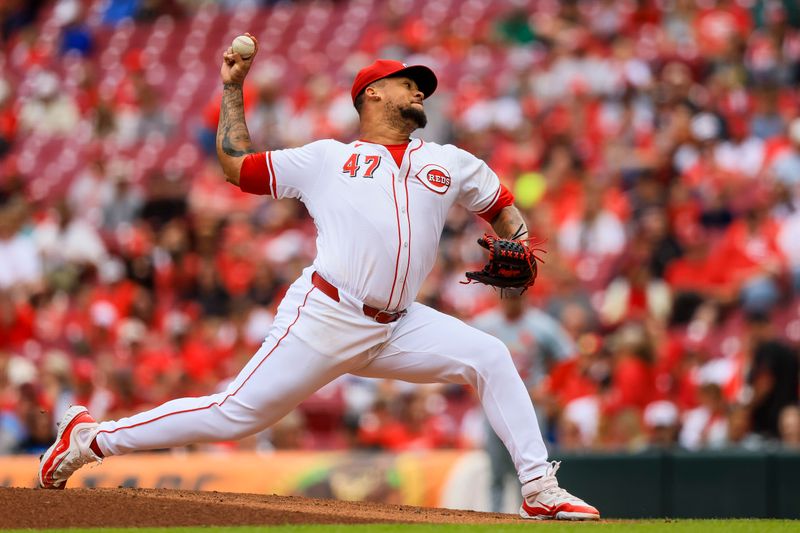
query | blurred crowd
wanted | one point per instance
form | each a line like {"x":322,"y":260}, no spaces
{"x":654,"y":145}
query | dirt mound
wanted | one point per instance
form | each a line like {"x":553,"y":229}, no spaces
{"x":30,"y":508}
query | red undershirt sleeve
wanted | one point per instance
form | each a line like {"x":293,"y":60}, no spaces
{"x":254,"y":176}
{"x":504,"y":199}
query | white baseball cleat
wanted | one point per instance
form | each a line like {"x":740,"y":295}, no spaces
{"x":70,"y":451}
{"x":543,"y":499}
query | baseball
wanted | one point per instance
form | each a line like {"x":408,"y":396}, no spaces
{"x":244,"y":46}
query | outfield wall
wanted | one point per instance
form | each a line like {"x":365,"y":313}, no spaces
{"x":652,"y":484}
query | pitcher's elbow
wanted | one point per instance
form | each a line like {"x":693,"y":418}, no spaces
{"x":231,"y":167}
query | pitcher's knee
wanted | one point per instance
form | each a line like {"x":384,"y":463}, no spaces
{"x":244,"y":419}
{"x":240,"y":421}
{"x":492,"y":357}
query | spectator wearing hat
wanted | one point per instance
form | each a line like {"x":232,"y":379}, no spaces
{"x":579,"y":424}
{"x":662,"y":424}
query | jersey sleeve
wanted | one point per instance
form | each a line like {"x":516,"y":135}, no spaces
{"x":289,"y":173}
{"x":481,"y":191}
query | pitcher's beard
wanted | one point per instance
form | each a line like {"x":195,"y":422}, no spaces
{"x":415,"y":115}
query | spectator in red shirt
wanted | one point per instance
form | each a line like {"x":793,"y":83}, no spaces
{"x":632,"y":378}
{"x":718,"y":28}
{"x":412,"y":426}
{"x":692,"y":272}
{"x":748,"y":260}
{"x":8,"y":118}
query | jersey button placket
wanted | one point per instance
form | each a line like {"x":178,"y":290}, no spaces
{"x":402,"y":266}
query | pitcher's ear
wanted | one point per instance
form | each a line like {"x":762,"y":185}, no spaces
{"x":372,"y":93}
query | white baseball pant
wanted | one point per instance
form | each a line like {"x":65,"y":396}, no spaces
{"x":315,"y":339}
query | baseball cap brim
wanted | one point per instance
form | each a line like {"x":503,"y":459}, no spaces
{"x":381,"y":69}
{"x":423,"y":76}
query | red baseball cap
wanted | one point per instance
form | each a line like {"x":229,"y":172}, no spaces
{"x":384,"y":68}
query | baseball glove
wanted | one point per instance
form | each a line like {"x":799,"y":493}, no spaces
{"x":512,"y":264}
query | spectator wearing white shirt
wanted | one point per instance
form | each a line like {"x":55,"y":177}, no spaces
{"x":51,"y":111}
{"x":596,"y":232}
{"x":706,"y":426}
{"x":91,"y":191}
{"x":741,"y":153}
{"x":20,"y":263}
{"x":65,"y":240}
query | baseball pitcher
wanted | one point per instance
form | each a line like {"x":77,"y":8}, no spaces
{"x":379,"y":204}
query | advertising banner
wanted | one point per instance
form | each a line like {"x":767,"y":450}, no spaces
{"x":434,"y":479}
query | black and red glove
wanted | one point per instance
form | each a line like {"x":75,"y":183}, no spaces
{"x":512,"y":264}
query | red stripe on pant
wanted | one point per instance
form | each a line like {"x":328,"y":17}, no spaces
{"x":229,"y":395}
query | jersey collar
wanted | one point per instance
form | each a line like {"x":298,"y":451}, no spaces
{"x":401,"y":145}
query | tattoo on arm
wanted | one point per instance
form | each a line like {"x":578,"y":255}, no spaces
{"x":509,"y":223}
{"x":232,"y":135}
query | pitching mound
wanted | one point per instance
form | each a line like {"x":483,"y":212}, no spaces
{"x":29,"y":508}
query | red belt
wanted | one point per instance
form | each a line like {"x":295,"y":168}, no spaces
{"x":382,"y":317}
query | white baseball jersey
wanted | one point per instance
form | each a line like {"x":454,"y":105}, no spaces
{"x":379,"y":225}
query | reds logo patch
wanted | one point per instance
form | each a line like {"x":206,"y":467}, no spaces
{"x":435,"y":178}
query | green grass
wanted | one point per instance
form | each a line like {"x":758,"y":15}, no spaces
{"x":628,"y":526}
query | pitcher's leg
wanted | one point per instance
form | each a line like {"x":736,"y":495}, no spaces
{"x":429,"y":347}
{"x":279,"y":376}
